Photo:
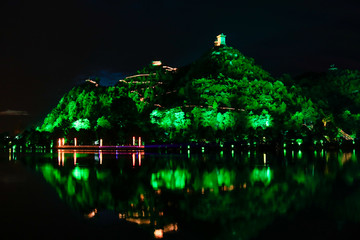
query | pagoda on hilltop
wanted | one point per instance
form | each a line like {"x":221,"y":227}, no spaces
{"x":220,"y":40}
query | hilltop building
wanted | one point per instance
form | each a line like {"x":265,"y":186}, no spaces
{"x":156,"y":63}
{"x":220,"y":40}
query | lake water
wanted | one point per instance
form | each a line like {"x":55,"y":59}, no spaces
{"x":222,"y":195}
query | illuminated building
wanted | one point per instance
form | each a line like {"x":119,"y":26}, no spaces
{"x":156,"y":63}
{"x":220,"y":40}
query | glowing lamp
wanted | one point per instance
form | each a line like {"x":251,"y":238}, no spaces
{"x":158,"y":233}
{"x":170,"y":227}
{"x":91,"y":214}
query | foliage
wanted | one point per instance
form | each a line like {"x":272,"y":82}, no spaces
{"x":336,"y":94}
{"x":172,"y":120}
{"x":263,"y":120}
{"x":229,"y":62}
{"x":103,"y":122}
{"x":223,"y":96}
{"x":81,"y":124}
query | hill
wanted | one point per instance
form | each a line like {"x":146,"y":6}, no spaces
{"x":221,"y":97}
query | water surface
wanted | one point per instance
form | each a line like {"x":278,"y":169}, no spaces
{"x":222,"y":195}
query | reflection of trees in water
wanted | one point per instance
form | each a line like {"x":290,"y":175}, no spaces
{"x":238,"y":198}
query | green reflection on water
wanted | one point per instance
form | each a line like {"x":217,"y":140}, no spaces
{"x":103,"y":175}
{"x":81,"y":173}
{"x":238,"y":196}
{"x":262,"y":175}
{"x":170,"y":179}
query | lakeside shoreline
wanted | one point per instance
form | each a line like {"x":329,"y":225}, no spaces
{"x":203,"y":147}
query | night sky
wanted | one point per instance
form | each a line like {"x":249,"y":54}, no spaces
{"x":47,"y":47}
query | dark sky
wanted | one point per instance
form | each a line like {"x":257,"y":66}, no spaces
{"x":47,"y":47}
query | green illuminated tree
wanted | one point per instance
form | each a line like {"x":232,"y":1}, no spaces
{"x":81,"y":124}
{"x":103,"y":123}
{"x":173,"y":121}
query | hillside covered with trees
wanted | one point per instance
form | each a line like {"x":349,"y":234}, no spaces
{"x":223,"y":97}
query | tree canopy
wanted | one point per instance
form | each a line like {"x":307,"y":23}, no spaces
{"x":223,"y":96}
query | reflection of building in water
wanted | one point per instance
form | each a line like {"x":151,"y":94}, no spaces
{"x":91,"y":214}
{"x":61,"y":157}
{"x":75,"y":157}
{"x":346,"y":156}
{"x":137,"y":155}
{"x":219,"y":179}
{"x":140,"y":212}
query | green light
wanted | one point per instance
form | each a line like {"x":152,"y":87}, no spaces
{"x":170,"y":179}
{"x":261,"y":175}
{"x":70,"y":186}
{"x":50,"y":173}
{"x":263,"y":120}
{"x":81,"y":173}
{"x":154,"y":182}
{"x":225,"y":177}
{"x":103,"y":122}
{"x":172,"y":120}
{"x":268,"y":173}
{"x":299,"y":141}
{"x":299,"y":177}
{"x":81,"y":124}
{"x":102,"y":175}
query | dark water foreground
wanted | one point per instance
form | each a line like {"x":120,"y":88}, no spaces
{"x":137,"y":195}
{"x":30,"y":208}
